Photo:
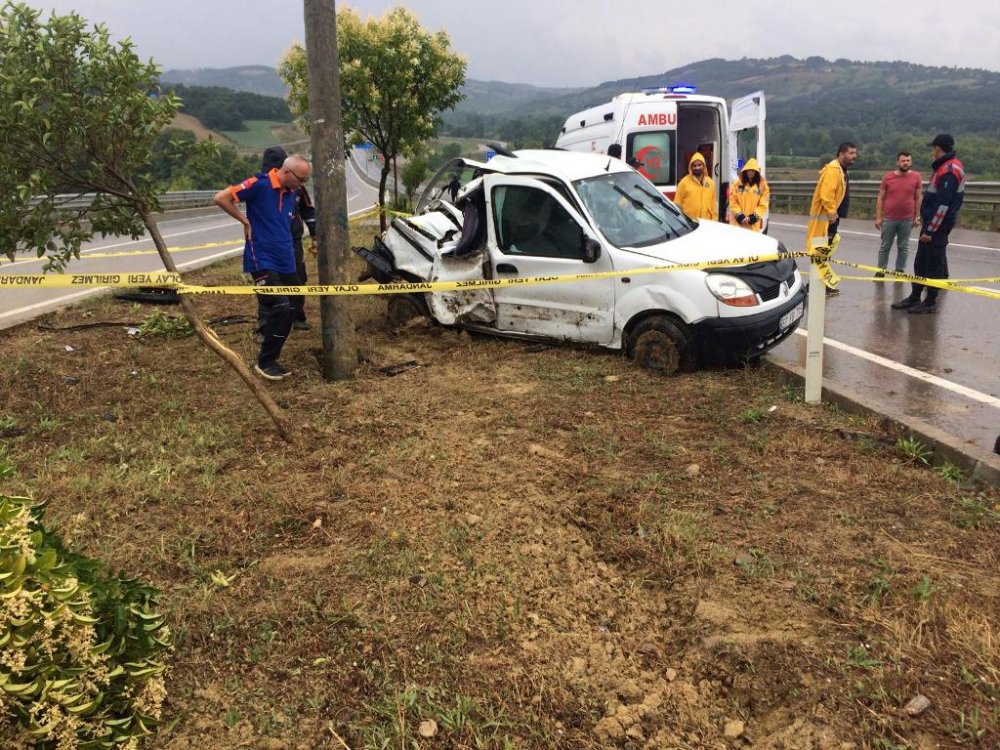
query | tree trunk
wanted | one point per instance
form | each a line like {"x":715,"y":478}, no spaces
{"x":208,"y":337}
{"x":395,"y":184}
{"x":383,"y":179}
{"x":340,"y":351}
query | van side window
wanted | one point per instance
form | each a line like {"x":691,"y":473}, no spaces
{"x":652,"y":154}
{"x":532,"y":222}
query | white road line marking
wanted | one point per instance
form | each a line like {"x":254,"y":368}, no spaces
{"x":123,"y":244}
{"x":76,"y":295}
{"x":948,"y":385}
{"x":873,"y":234}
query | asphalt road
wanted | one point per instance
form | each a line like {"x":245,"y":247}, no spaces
{"x":180,"y":230}
{"x":944,"y":368}
{"x":940,"y":368}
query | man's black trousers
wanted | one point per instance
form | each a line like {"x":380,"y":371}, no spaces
{"x":276,"y":314}
{"x":931,"y":263}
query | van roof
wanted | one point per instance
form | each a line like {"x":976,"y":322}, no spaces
{"x":653,"y":96}
{"x":569,"y":165}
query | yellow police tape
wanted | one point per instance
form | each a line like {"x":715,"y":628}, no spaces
{"x":821,"y":257}
{"x":166,"y":279}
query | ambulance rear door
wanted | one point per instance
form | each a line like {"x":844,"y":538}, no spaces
{"x":746,"y":132}
{"x":651,"y":141}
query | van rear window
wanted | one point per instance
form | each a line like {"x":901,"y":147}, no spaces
{"x":654,"y":152}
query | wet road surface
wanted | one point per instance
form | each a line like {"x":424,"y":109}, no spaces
{"x":943,"y":368}
{"x":180,"y":231}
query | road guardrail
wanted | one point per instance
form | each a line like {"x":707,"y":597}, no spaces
{"x":980,"y":209}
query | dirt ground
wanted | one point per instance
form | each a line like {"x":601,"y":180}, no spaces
{"x":509,"y":545}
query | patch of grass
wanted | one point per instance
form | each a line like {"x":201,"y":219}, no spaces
{"x":924,"y":589}
{"x":257,"y":134}
{"x":758,"y":567}
{"x":752,"y":415}
{"x":913,"y":451}
{"x":805,"y":586}
{"x":398,"y":717}
{"x":860,"y":658}
{"x":880,"y":584}
{"x":951,"y":473}
{"x":171,"y":327}
{"x":974,"y":513}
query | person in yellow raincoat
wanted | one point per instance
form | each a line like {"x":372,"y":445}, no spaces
{"x":749,"y":197}
{"x":696,"y":191}
{"x":830,"y":200}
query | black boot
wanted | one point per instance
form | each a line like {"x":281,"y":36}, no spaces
{"x":916,"y":291}
{"x":906,"y":302}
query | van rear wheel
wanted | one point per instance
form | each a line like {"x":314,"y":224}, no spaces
{"x":662,"y":344}
{"x":403,"y":308}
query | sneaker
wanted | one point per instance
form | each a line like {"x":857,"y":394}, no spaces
{"x":905,"y":303}
{"x":879,"y":275}
{"x":273,"y":371}
{"x":832,"y":291}
{"x":301,"y":325}
{"x":927,"y":306}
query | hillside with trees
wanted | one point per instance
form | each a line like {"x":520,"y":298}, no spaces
{"x":812,"y":105}
{"x":254,"y":79}
{"x":222,"y":108}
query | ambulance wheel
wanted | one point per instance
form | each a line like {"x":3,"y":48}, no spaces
{"x":404,"y":308}
{"x":662,"y":344}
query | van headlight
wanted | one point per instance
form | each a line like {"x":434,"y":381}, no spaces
{"x":730,"y":290}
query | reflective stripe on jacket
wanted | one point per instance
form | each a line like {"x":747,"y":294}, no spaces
{"x":697,"y":199}
{"x":749,"y":200}
{"x":829,"y":192}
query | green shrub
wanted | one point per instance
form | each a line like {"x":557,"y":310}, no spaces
{"x":79,"y":649}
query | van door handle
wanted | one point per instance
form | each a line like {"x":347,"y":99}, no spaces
{"x":506,"y":268}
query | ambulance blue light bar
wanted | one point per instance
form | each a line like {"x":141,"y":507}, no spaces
{"x":681,"y":88}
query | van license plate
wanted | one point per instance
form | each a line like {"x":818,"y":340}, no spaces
{"x":790,"y":317}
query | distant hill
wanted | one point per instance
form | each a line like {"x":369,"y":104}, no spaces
{"x":254,"y":79}
{"x":812,"y":104}
{"x":496,"y":97}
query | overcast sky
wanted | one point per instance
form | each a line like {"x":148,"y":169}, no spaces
{"x":575,"y":42}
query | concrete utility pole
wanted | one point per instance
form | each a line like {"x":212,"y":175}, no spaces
{"x":340,"y":353}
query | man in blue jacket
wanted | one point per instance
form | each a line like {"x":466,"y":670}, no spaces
{"x":938,"y":212}
{"x":269,"y":255}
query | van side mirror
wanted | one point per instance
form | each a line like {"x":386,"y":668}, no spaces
{"x":591,"y":249}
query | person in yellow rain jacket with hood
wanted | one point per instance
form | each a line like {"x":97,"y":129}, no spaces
{"x":696,"y":191}
{"x":830,"y":200}
{"x":749,"y":197}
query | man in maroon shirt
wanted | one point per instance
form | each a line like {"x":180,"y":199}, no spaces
{"x":896,"y":211}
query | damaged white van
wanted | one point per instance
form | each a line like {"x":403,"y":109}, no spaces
{"x":554,"y":213}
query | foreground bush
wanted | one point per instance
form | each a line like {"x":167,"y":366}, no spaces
{"x":79,"y":649}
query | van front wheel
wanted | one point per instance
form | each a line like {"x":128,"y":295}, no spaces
{"x":662,"y":344}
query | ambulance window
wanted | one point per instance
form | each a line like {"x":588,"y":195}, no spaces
{"x":746,"y":146}
{"x":655,"y":153}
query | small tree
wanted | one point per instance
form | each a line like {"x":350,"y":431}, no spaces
{"x":79,"y":115}
{"x":394,"y":80}
{"x":414,"y":173}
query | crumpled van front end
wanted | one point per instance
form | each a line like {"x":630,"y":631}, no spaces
{"x":734,"y":312}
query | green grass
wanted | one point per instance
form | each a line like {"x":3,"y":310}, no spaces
{"x":258,"y":133}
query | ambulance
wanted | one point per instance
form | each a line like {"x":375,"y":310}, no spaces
{"x":659,"y":129}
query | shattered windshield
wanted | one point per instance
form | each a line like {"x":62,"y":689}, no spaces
{"x":629,"y":211}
